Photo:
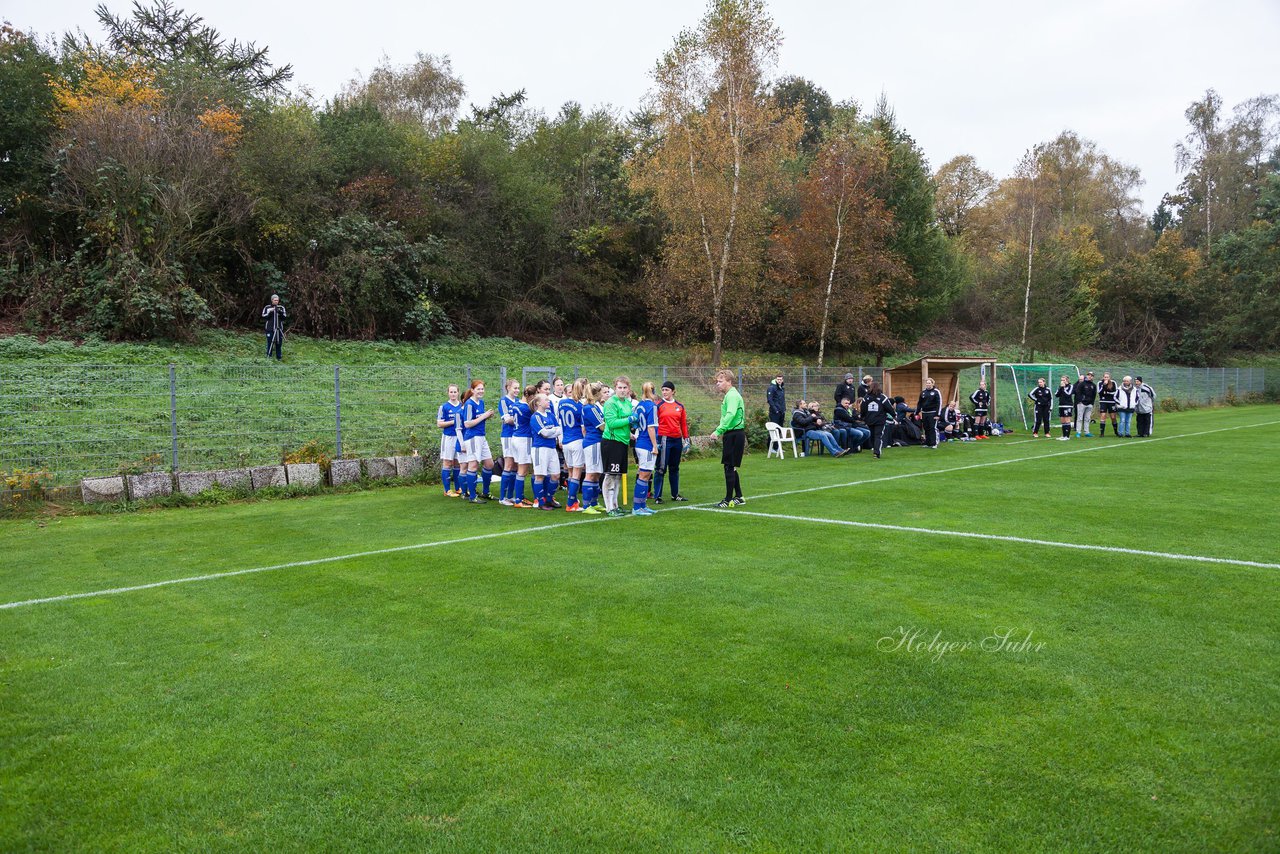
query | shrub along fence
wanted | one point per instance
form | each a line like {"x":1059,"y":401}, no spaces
{"x":60,"y":423}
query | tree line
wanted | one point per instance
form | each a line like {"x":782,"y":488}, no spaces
{"x":163,"y":178}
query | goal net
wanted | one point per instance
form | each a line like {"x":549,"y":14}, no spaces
{"x":1016,"y":380}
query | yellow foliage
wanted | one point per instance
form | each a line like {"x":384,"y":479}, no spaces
{"x":224,"y":122}
{"x":128,"y":84}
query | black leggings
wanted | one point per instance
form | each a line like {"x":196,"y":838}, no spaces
{"x":877,"y":437}
{"x":669,"y":451}
{"x":1042,"y":417}
{"x":929,"y":420}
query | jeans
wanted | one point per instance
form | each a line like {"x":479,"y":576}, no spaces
{"x":828,"y":441}
{"x":1126,"y":418}
{"x":857,"y":437}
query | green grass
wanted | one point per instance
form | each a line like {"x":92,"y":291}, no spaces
{"x":692,"y":681}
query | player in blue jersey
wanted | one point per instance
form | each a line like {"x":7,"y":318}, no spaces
{"x":593,"y":397}
{"x":507,"y":411}
{"x":646,"y":426}
{"x":570,"y":418}
{"x":475,"y":446}
{"x":546,"y":465}
{"x":522,"y":447}
{"x":445,"y":420}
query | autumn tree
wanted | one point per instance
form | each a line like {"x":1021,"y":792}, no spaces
{"x":834,"y":256}
{"x":425,"y":92}
{"x":722,"y":142}
{"x":962,"y":186}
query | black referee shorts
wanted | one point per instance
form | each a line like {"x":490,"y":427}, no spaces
{"x":733,"y":444}
{"x":613,"y":456}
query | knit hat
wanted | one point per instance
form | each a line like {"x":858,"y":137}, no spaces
{"x":669,"y":384}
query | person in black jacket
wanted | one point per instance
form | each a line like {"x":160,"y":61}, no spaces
{"x":275,"y":315}
{"x":1043,"y":400}
{"x":981,"y":400}
{"x":847,"y":388}
{"x":776,"y":397}
{"x":856,"y":432}
{"x":1066,"y":395}
{"x":1086,"y":393}
{"x":875,"y":411}
{"x":864,"y":387}
{"x":1107,"y":404}
{"x":927,"y":409}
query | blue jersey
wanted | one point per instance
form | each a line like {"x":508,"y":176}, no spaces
{"x":448,"y":412}
{"x":646,"y":416}
{"x":592,"y":424}
{"x":544,"y":421}
{"x":523,"y":415}
{"x":507,"y":407}
{"x":570,"y":417}
{"x":473,"y":408}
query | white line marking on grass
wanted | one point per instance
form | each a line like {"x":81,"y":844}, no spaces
{"x":990,"y":463}
{"x":291,"y":565}
{"x":706,"y":506}
{"x":999,"y":537}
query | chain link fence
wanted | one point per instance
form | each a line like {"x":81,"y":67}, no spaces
{"x":75,"y":421}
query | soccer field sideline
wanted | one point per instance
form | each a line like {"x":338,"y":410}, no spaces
{"x":709,"y":506}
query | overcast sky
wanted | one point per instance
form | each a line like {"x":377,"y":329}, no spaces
{"x":982,"y":77}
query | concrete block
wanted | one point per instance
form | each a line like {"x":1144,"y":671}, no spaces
{"x":408,"y":466}
{"x":303,"y":474}
{"x":195,"y":482}
{"x":264,"y":476}
{"x":233,"y":478}
{"x":379,"y":467}
{"x":344,"y":471}
{"x":155,"y":484}
{"x":93,"y":489}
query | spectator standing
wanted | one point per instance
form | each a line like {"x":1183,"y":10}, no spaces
{"x":864,"y":387}
{"x":1126,"y":403}
{"x":275,"y":314}
{"x":847,"y":388}
{"x":776,"y":397}
{"x":875,"y":409}
{"x":1145,"y":407}
{"x":1086,"y":393}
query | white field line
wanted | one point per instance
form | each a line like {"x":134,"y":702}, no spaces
{"x":417,"y":546}
{"x":970,"y":535}
{"x":1100,"y":447}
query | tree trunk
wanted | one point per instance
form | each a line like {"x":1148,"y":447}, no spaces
{"x":1026,"y":302}
{"x":831,"y":279}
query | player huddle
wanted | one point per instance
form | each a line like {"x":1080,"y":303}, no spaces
{"x":578,"y":436}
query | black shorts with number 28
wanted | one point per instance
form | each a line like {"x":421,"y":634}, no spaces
{"x":613,"y":456}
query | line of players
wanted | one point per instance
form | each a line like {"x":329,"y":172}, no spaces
{"x":591,"y":423}
{"x":1075,"y":403}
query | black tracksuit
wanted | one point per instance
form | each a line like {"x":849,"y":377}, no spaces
{"x":875,"y":411}
{"x":1043,"y":400}
{"x":929,"y":405}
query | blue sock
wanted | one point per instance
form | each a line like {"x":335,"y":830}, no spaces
{"x":519,"y":488}
{"x":488,"y":478}
{"x":642,"y":493}
{"x":549,"y":487}
{"x":446,"y":477}
{"x":657,"y":485}
{"x":537,"y":490}
{"x":590,"y":489}
{"x":471,"y":484}
{"x":574,"y":487}
{"x":508,"y":485}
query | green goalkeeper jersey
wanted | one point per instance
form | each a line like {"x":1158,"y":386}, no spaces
{"x":732,"y":413}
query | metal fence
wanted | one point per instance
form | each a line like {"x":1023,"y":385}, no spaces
{"x":74,"y":421}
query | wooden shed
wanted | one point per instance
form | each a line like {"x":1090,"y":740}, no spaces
{"x":908,"y":380}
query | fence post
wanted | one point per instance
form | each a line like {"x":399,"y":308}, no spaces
{"x":664,"y":374}
{"x":502,"y":378}
{"x":468,"y":376}
{"x":575,"y":373}
{"x":337,"y":414}
{"x":173,"y":414}
{"x":804,"y":382}
{"x":739,"y":379}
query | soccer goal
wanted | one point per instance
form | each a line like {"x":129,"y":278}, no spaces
{"x":1022,"y":378}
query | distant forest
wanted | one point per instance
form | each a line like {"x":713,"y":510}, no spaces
{"x":161,"y":177}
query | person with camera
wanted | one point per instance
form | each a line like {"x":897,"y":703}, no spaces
{"x":275,"y":315}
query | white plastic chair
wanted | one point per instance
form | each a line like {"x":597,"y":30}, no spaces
{"x":777,"y":435}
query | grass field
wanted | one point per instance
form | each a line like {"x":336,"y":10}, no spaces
{"x":817,"y":670}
